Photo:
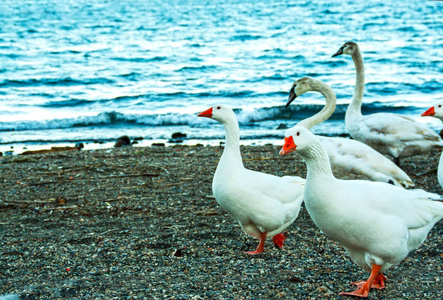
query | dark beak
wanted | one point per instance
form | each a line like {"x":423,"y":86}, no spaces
{"x":291,"y":98}
{"x":339,"y":52}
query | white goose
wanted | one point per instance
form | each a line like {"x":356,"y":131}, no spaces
{"x":263,"y":204}
{"x":437,"y":111}
{"x":377,"y":223}
{"x":388,"y":133}
{"x":347,"y":156}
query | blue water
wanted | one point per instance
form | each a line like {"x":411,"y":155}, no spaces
{"x":84,"y":71}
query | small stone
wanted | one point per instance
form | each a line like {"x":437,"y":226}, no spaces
{"x":282,"y":126}
{"x":123,"y":141}
{"x":177,"y":137}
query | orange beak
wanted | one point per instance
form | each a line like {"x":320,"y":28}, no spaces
{"x":207,"y":113}
{"x":430,"y":112}
{"x":289,"y":146}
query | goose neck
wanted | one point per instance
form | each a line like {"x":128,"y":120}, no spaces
{"x":317,"y":162}
{"x":231,"y":152}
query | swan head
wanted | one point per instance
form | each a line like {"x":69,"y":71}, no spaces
{"x":219,"y":113}
{"x":434,"y":111}
{"x":300,"y":87}
{"x":297,"y":138}
{"x":348,"y":48}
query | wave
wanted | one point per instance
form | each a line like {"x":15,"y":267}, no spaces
{"x":68,"y":81}
{"x":65,"y":52}
{"x":280,"y":113}
{"x":245,"y":117}
{"x":202,"y":68}
{"x":393,"y":88}
{"x":102,"y":119}
{"x":245,"y":37}
{"x":134,"y":99}
{"x":141,"y":59}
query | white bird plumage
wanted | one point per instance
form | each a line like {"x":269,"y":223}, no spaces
{"x":437,"y":112}
{"x":377,"y":223}
{"x":387,"y":133}
{"x":263,"y":204}
{"x":347,"y":156}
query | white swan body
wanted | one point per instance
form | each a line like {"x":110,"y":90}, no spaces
{"x":263,"y":204}
{"x":347,"y":156}
{"x":437,"y":111}
{"x":377,"y":223}
{"x":387,"y":133}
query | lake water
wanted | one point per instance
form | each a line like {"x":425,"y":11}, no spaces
{"x":85,"y":71}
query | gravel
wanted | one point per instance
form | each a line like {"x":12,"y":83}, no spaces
{"x":141,"y":223}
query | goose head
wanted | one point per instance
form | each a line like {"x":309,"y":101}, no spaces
{"x":348,"y":48}
{"x":297,"y":138}
{"x":434,"y":111}
{"x":300,"y":87}
{"x":219,"y":113}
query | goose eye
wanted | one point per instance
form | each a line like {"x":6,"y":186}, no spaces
{"x":218,"y":107}
{"x":298,"y":133}
{"x":439,"y":105}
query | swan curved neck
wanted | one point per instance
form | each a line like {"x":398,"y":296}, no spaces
{"x":327,"y":110}
{"x":354,"y":109}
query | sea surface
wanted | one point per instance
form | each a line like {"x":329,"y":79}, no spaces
{"x":90,"y":71}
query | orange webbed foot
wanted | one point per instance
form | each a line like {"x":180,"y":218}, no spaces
{"x":359,"y":284}
{"x":261,"y":245}
{"x":254,"y":252}
{"x":362,"y":293}
{"x":379,"y":282}
{"x":279,"y":240}
{"x":376,"y":280}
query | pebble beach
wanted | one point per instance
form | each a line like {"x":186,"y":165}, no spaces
{"x":141,"y":223}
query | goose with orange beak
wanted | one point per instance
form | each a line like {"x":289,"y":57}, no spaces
{"x":436,"y":111}
{"x":377,"y":223}
{"x":263,"y":204}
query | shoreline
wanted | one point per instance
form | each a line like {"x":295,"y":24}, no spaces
{"x":141,"y":222}
{"x":19,"y":148}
